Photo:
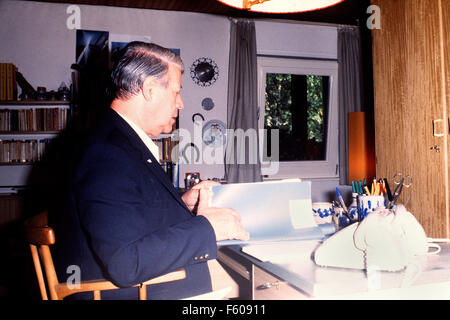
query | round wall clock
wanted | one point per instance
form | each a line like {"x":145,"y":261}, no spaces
{"x":214,"y":133}
{"x":204,"y":72}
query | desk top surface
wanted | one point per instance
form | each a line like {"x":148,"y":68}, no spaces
{"x":300,"y":270}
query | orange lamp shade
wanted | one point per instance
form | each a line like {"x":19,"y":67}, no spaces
{"x":361,"y":148}
{"x":280,"y":6}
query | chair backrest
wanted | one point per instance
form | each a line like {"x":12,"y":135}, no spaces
{"x":40,"y":237}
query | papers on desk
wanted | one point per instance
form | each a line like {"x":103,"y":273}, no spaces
{"x":282,"y":251}
{"x":270,"y":211}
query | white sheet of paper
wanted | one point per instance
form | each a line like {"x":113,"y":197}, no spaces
{"x":270,"y":211}
{"x":300,"y":211}
{"x":282,"y":251}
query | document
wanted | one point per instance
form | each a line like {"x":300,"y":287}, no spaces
{"x":282,"y":251}
{"x":270,"y":211}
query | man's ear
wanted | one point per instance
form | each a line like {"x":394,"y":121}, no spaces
{"x":148,"y":88}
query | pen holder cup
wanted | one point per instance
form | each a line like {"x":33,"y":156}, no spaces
{"x":367,"y":204}
{"x":322,"y":212}
{"x":340,"y":219}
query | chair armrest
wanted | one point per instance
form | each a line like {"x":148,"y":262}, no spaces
{"x":168,"y":277}
{"x":63,"y":289}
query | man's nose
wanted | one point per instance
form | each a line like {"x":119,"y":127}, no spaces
{"x":180,"y":104}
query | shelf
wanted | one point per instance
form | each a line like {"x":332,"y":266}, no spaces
{"x":33,"y":102}
{"x":15,"y":175}
{"x":17,"y":163}
{"x":32,"y":119}
{"x":8,"y":133}
{"x":28,"y":136}
{"x":163,"y":135}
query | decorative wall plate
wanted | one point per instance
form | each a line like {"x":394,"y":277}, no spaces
{"x":204,"y":72}
{"x":207,"y":104}
{"x":214,"y":133}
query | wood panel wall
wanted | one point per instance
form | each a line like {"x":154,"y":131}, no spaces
{"x":409,"y":94}
{"x":445,"y":5}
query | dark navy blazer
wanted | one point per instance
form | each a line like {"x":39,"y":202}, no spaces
{"x":124,"y":221}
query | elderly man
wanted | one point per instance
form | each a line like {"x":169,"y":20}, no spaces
{"x":123,"y":219}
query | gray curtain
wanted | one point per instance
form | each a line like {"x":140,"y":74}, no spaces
{"x":350,"y":88}
{"x":242,"y":159}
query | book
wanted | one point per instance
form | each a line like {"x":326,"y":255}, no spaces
{"x":8,"y":85}
{"x":14,"y":84}
{"x":2,"y":81}
{"x":271,"y":211}
{"x":9,"y":81}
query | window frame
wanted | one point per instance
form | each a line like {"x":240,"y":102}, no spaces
{"x":328,"y":168}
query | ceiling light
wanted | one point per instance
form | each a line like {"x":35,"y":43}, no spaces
{"x":280,"y":6}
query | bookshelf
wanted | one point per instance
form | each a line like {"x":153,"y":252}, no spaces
{"x":26,"y":129}
{"x":168,"y":156}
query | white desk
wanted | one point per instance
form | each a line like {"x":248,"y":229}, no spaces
{"x":300,"y":278}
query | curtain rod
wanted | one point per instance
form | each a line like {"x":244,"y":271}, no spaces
{"x":323,"y":24}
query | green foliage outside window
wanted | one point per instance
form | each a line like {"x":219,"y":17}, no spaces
{"x":278,"y":107}
{"x":315,"y":108}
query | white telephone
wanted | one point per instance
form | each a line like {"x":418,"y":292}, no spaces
{"x":385,"y":240}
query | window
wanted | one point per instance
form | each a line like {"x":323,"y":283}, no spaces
{"x":298,"y":112}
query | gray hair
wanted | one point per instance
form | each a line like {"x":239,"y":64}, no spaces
{"x":138,"y":61}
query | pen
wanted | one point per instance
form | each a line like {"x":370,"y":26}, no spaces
{"x":355,"y":188}
{"x":339,"y":196}
{"x":374,"y":187}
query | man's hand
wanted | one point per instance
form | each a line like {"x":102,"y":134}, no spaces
{"x":191,"y":196}
{"x":225,"y":222}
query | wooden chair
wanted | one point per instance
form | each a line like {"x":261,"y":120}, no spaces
{"x":40,"y":236}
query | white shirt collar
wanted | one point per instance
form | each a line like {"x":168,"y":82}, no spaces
{"x":144,"y":137}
